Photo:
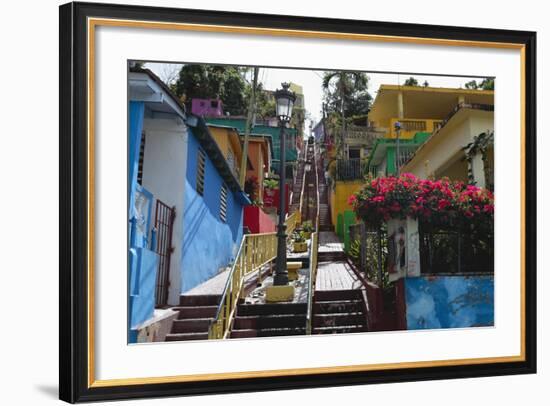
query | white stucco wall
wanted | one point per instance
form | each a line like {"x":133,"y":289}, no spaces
{"x":164,"y":171}
{"x":442,"y":149}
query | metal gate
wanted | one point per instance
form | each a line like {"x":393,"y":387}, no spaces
{"x":454,"y":252}
{"x":164,"y":224}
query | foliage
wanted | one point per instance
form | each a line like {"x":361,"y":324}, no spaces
{"x":485,"y":84}
{"x":442,"y":203}
{"x":472,"y":84}
{"x":351,"y":88}
{"x":297,"y":236}
{"x":307,"y":226}
{"x":251,"y":187}
{"x":480,"y":145}
{"x":411,"y":82}
{"x":271,"y":183}
{"x":265,"y":102}
{"x":213,"y":81}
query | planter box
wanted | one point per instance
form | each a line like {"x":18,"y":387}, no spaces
{"x":300,"y":246}
{"x":306,"y":234}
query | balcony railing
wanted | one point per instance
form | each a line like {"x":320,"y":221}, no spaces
{"x":351,"y":169}
{"x":363,"y":135}
{"x":460,"y":106}
{"x":405,"y":153}
{"x":409,"y":127}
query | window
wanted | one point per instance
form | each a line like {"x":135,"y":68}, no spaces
{"x":354,"y":153}
{"x":223,"y":203}
{"x":140,"y":159}
{"x":200,"y":172}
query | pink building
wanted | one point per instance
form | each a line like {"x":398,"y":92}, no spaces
{"x":207,"y":107}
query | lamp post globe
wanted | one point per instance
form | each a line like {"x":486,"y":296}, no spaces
{"x":284,"y":99}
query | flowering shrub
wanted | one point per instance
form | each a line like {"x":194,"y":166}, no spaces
{"x":439,"y":203}
{"x":251,"y":187}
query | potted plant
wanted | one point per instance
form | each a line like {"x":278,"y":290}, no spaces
{"x":307,"y":229}
{"x":300,"y":244}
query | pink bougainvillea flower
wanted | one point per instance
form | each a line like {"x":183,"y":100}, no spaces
{"x":440,"y":202}
{"x":443,"y":204}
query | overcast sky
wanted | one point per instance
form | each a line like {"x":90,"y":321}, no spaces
{"x":311,"y":81}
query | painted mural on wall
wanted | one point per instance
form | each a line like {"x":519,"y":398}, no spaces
{"x":449,"y":302}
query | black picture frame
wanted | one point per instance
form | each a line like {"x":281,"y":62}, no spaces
{"x":74,"y":201}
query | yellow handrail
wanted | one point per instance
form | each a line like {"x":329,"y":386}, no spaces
{"x":292,"y":222}
{"x":312,"y":277}
{"x":255,"y":251}
{"x":313,"y":250}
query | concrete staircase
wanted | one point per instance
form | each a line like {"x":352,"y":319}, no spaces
{"x":269,"y":320}
{"x":297,"y":187}
{"x":324,"y":217}
{"x":195,"y":314}
{"x":339,"y":311}
{"x":325,"y":223}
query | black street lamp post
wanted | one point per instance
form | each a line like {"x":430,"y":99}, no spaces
{"x":285,"y":101}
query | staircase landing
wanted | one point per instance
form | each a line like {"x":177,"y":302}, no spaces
{"x":336,"y":276}
{"x":329,"y":242}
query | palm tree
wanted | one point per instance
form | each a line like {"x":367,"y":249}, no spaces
{"x":346,"y":83}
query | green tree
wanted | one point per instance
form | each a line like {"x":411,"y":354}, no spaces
{"x":213,"y":81}
{"x":411,"y":82}
{"x":485,"y":84}
{"x":346,"y":95}
{"x":472,"y":84}
{"x":265,"y":102}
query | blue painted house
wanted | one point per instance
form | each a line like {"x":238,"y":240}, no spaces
{"x":185,"y":207}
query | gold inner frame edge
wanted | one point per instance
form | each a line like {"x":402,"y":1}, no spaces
{"x":94,"y":22}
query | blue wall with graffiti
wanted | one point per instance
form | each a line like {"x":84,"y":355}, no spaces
{"x":142,"y":260}
{"x":208,"y":242}
{"x":449,"y":301}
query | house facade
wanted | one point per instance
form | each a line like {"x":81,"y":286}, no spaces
{"x":423,"y":113}
{"x":185,"y":203}
{"x":229,"y":142}
{"x":264,"y":130}
{"x":462,"y":149}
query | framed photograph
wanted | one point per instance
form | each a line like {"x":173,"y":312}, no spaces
{"x":257,"y":202}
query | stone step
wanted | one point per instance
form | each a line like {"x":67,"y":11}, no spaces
{"x":350,"y":294}
{"x":271,"y":332}
{"x":339,"y":319}
{"x":337,"y":306}
{"x":269,"y":321}
{"x":191,"y":325}
{"x":199,"y":300}
{"x":272,"y":309}
{"x":186,"y":336}
{"x":331,"y":256}
{"x":326,"y":226}
{"x":195,"y":312}
{"x":340,"y":329}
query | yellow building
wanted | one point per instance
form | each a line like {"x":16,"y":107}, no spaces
{"x":259,"y":154}
{"x":229,"y":142}
{"x":448,"y":120}
{"x":419,"y":109}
